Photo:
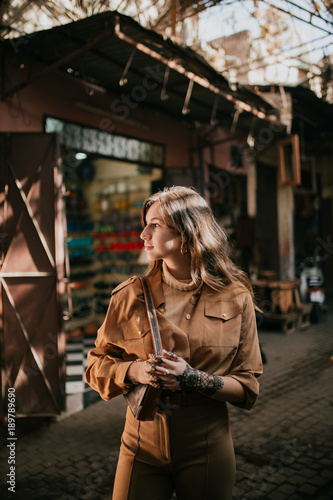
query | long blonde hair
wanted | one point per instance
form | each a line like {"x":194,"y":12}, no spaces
{"x":188,"y":214}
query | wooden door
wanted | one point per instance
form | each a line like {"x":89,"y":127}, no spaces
{"x":31,"y":273}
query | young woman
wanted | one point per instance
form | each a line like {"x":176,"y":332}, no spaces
{"x":211,"y":355}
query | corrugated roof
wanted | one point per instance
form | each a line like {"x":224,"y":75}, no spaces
{"x":98,"y":49}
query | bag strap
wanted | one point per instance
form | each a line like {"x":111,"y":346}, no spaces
{"x":151,"y":312}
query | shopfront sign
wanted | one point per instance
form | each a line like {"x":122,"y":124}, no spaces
{"x":92,"y":140}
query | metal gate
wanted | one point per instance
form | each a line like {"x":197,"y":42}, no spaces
{"x":31,"y":273}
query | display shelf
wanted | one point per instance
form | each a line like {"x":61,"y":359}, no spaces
{"x":103,"y":244}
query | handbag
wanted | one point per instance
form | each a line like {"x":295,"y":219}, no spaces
{"x":143,"y":399}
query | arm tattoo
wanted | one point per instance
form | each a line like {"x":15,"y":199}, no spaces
{"x":196,"y":380}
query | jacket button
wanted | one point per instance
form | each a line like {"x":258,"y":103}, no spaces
{"x":224,"y":315}
{"x":188,"y":316}
{"x":139,"y":332}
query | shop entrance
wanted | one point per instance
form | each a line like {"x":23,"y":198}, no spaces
{"x":103,"y":248}
{"x":266,"y":227}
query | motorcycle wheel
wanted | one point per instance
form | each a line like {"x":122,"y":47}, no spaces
{"x":314,"y":315}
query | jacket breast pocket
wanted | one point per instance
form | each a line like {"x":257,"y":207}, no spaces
{"x":136,"y":328}
{"x":222,"y":323}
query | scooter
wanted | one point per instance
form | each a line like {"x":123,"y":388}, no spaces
{"x":312,"y":287}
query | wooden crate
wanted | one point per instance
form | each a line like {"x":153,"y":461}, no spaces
{"x":286,"y":311}
{"x":282,"y":300}
{"x":282,"y":295}
{"x":287,"y":323}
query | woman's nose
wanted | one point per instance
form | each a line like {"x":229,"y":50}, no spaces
{"x":145,"y":234}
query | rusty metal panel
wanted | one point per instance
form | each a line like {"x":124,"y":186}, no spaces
{"x":31,"y":273}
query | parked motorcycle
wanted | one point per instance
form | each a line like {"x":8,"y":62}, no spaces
{"x":312,"y":287}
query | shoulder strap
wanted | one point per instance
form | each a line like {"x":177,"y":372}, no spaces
{"x":152,"y":316}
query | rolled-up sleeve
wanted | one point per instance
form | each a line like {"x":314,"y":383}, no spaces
{"x":106,"y":374}
{"x":246,"y":367}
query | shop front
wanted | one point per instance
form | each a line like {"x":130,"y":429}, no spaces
{"x":106,"y":178}
{"x":124,"y":113}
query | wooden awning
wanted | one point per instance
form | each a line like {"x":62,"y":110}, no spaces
{"x":113,"y":52}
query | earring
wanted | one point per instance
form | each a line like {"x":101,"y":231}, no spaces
{"x":183,"y":250}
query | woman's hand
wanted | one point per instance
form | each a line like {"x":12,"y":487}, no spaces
{"x":176,"y":374}
{"x":172,"y":372}
{"x":160,"y":372}
{"x":167,"y":368}
{"x":143,"y":372}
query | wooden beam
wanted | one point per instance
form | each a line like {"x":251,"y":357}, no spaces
{"x":203,"y":82}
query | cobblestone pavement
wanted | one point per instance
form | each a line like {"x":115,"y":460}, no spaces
{"x":284,"y":445}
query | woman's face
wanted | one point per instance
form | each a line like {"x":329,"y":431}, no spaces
{"x":161,"y":242}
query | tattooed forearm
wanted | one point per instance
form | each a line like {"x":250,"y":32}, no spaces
{"x":196,"y":380}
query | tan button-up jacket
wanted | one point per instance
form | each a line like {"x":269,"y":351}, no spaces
{"x":217,"y":334}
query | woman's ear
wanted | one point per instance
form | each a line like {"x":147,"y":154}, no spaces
{"x":183,"y":247}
